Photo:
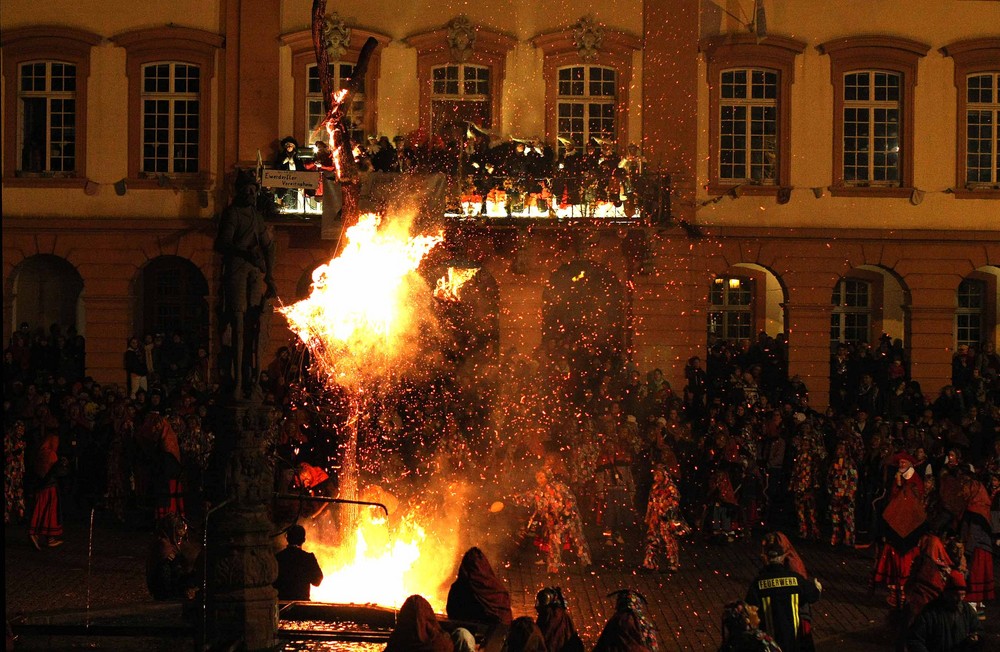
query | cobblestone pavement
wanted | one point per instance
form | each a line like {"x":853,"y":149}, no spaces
{"x":52,"y":585}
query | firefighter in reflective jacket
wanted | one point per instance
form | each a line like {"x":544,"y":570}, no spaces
{"x":779,"y":594}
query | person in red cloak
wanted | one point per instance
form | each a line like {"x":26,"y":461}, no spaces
{"x":629,"y":629}
{"x":478,"y":595}
{"x":417,"y":629}
{"x":903,"y":519}
{"x":46,"y":518}
{"x":976,"y":534}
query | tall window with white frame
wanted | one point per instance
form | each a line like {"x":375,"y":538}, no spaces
{"x":982,"y":126}
{"x":748,"y":126}
{"x":730,"y":313}
{"x":852,"y":313}
{"x":969,"y":312}
{"x":171,"y":101}
{"x":47,"y":97}
{"x":586,"y":104}
{"x":460,"y":93}
{"x":315,"y":114}
{"x":871,"y":128}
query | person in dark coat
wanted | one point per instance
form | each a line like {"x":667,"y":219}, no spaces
{"x":297,"y":569}
{"x":948,"y":624}
{"x":629,"y":629}
{"x":478,"y":595}
{"x":554,"y":622}
{"x":417,"y":629}
{"x":778,"y":592}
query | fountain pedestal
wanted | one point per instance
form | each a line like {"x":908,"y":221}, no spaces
{"x":241,"y":604}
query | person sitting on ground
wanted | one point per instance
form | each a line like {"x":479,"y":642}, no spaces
{"x":297,"y":569}
{"x":629,"y":629}
{"x":524,"y":636}
{"x":171,"y":561}
{"x":948,"y":623}
{"x":554,"y":622}
{"x":741,"y":630}
{"x":417,"y":629}
{"x":478,"y":595}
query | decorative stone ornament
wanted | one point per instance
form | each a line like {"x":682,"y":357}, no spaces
{"x":588,"y":36}
{"x":461,"y":38}
{"x":336,"y":35}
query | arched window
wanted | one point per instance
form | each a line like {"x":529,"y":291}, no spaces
{"x":587,"y":88}
{"x":852,"y":311}
{"x":171,"y":106}
{"x":750,"y":106}
{"x":460,"y":83}
{"x":730,"y":314}
{"x":586,"y":104}
{"x":47,"y":289}
{"x":874,"y":79}
{"x":170,"y":71}
{"x":315,"y":113}
{"x":460,"y":93}
{"x":970,"y":312}
{"x":173,"y":299}
{"x":977,"y":80}
{"x":46,"y":69}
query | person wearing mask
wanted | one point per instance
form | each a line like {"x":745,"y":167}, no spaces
{"x":554,"y":622}
{"x":297,"y":569}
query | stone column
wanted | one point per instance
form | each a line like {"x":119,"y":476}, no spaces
{"x":931,"y":342}
{"x":241,"y":603}
{"x":809,"y":348}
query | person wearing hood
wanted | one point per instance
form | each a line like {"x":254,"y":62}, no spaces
{"x":477,"y":594}
{"x":629,"y":629}
{"x":417,"y":629}
{"x":554,"y":622}
{"x":949,"y":623}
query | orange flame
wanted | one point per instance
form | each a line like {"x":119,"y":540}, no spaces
{"x":449,"y":285}
{"x":355,"y":313}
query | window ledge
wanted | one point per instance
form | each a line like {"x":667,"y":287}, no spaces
{"x":197,"y":182}
{"x":977,"y":193}
{"x":870,"y":191}
{"x":44,"y":182}
{"x":743,"y":189}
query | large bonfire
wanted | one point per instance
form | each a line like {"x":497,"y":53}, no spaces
{"x":361,"y":325}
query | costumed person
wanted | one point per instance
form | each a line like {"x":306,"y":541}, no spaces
{"x":167,"y":485}
{"x":741,"y":630}
{"x":417,"y":629}
{"x":779,"y":593}
{"x":297,"y":569}
{"x":312,"y":481}
{"x":556,"y":512}
{"x":554,"y":621}
{"x":170,"y":563}
{"x":662,"y":522}
{"x":524,"y":636}
{"x":904,"y":519}
{"x":804,"y":483}
{"x":947,"y":624}
{"x":322,"y":161}
{"x":629,"y":629}
{"x":478,"y":595}
{"x":976,"y":533}
{"x":46,"y":516}
{"x":842,"y":481}
{"x":286,"y":158}
{"x":928,"y":576}
{"x":13,"y":480}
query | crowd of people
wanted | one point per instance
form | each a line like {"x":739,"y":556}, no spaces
{"x":607,"y":449}
{"x":515,"y":176}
